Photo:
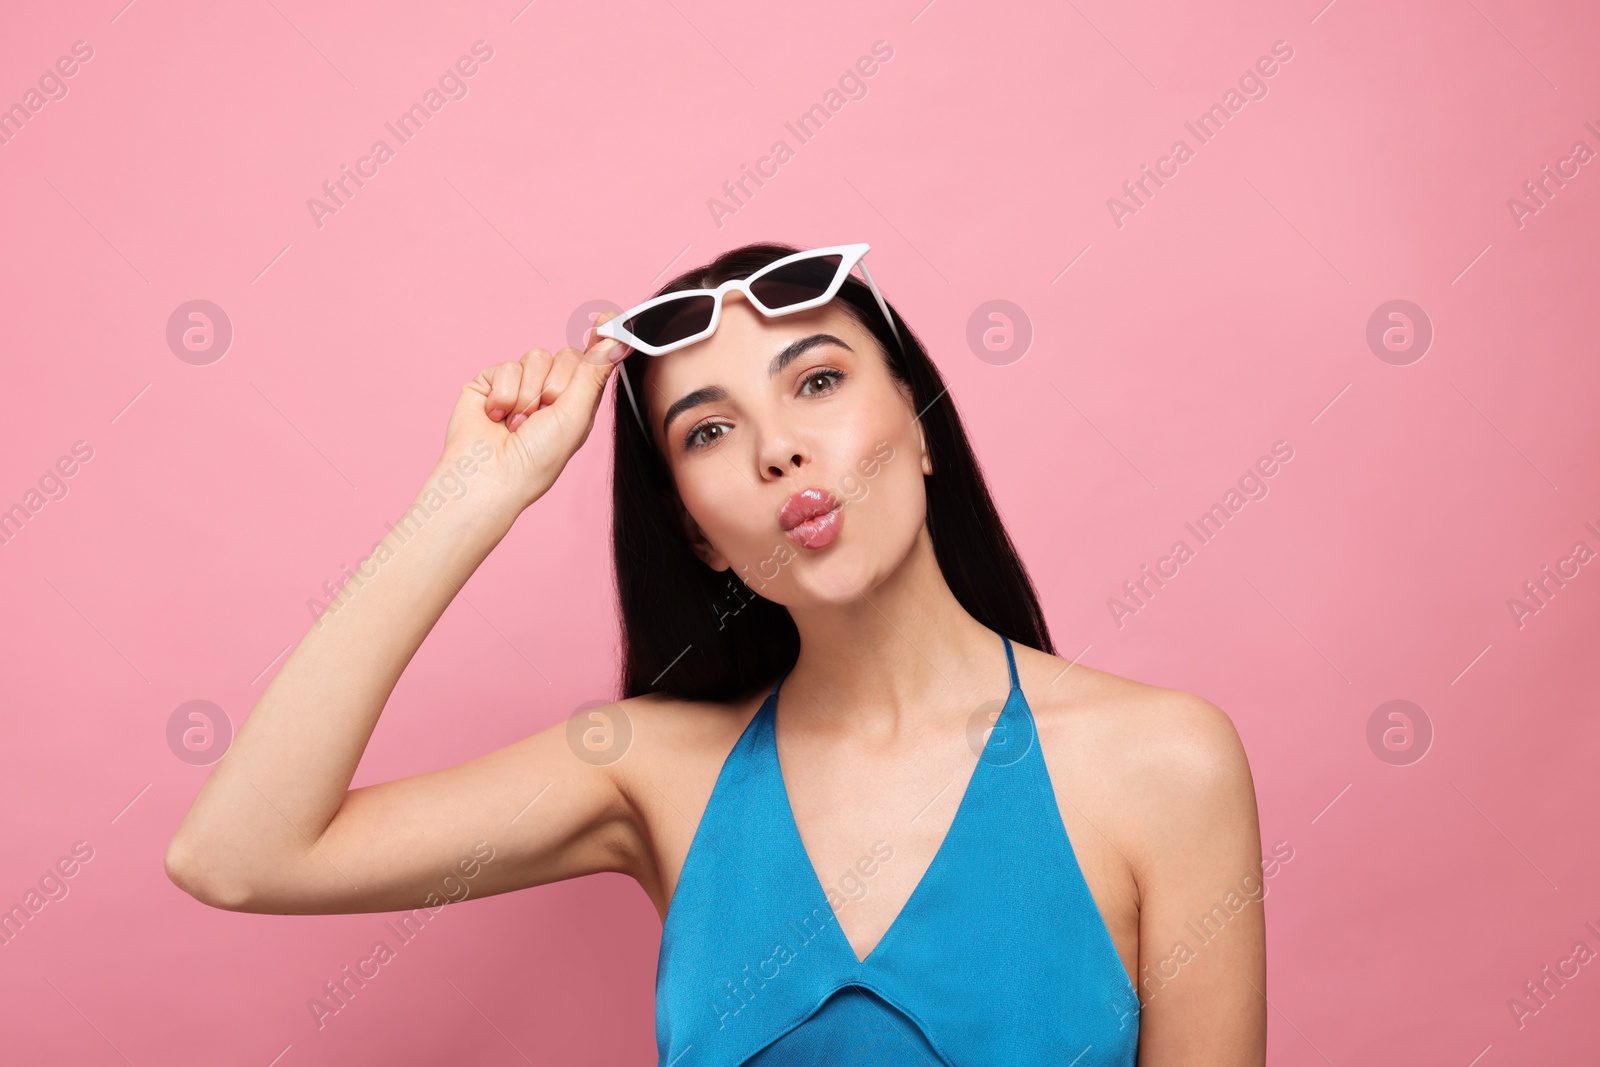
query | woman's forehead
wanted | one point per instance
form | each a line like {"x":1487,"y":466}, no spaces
{"x":744,"y":336}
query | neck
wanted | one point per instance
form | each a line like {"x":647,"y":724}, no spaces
{"x":895,"y":658}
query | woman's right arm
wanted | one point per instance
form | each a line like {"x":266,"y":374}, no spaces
{"x":276,"y":827}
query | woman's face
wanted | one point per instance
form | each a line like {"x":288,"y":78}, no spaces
{"x":768,"y":416}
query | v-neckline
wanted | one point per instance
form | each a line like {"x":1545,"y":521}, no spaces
{"x":815,"y":881}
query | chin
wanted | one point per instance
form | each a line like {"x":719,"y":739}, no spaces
{"x":864,"y":555}
{"x":836,"y":576}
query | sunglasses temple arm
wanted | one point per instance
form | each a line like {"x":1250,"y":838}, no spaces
{"x":882,"y":305}
{"x":634,"y":404}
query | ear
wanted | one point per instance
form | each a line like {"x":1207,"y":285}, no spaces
{"x":922,"y":437}
{"x":697,"y":540}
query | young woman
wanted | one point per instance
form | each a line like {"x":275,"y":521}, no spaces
{"x":882,"y":820}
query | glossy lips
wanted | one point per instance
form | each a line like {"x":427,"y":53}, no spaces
{"x":811,"y":518}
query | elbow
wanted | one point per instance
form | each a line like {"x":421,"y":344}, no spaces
{"x":191,"y":870}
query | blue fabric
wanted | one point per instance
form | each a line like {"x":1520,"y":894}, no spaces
{"x":999,"y":957}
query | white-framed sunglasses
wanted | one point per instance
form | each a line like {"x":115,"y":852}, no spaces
{"x":794,"y":283}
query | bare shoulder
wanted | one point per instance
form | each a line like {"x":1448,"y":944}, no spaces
{"x":1162,"y":775}
{"x":1155,"y":764}
{"x":1144,"y":730}
{"x":675,"y":750}
{"x":665,"y":730}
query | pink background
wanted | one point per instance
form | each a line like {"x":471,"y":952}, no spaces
{"x":1230,"y":312}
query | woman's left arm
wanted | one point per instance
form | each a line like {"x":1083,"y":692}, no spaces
{"x":1202,"y":932}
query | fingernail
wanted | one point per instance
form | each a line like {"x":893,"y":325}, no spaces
{"x":516,"y":420}
{"x":588,"y":339}
{"x":618,"y":353}
{"x":496,"y":414}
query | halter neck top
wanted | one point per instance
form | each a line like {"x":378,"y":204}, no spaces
{"x":999,"y":957}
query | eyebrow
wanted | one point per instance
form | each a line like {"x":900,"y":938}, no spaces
{"x":709,"y":393}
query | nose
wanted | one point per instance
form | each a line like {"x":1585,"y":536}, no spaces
{"x":792,"y":464}
{"x":782,"y":454}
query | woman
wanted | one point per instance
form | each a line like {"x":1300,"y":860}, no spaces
{"x":958,"y":849}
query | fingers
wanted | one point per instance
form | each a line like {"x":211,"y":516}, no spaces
{"x":518,"y":388}
{"x":538,"y":390}
{"x":505,"y":382}
{"x":535,"y":365}
{"x":603,"y":350}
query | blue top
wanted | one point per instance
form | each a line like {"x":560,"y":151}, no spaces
{"x":998,"y":957}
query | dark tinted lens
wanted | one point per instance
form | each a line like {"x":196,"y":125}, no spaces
{"x":796,"y":283}
{"x":672,"y":321}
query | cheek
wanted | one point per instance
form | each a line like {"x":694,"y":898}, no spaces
{"x":901,"y":497}
{"x":723,"y":506}
{"x":886,"y":490}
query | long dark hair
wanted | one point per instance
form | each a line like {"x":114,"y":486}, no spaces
{"x":701,"y":634}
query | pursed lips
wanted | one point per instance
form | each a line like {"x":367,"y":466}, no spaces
{"x":811,"y":517}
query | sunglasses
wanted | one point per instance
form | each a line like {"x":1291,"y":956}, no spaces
{"x":794,"y":283}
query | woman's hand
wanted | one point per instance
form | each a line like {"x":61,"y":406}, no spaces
{"x":534,"y":413}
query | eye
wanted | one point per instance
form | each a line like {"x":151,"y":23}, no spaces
{"x":700,"y":436}
{"x":696,"y":437}
{"x":824,"y":373}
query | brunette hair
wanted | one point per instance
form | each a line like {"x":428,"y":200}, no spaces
{"x":702,"y":634}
